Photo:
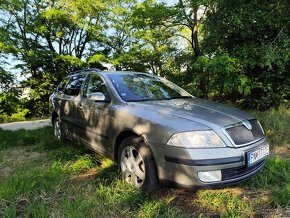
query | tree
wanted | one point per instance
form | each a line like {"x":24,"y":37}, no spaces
{"x":6,"y":80}
{"x":136,"y":38}
{"x":256,"y":33}
{"x":189,"y":16}
{"x":156,"y":42}
{"x":119,"y":35}
{"x":49,"y":39}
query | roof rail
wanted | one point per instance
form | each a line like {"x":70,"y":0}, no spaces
{"x":84,"y":70}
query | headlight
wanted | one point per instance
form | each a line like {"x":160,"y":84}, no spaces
{"x":196,"y":139}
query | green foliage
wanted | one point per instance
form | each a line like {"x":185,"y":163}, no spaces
{"x":19,"y":115}
{"x":9,"y":102}
{"x":48,"y":40}
{"x":97,"y":58}
{"x":225,"y":50}
{"x":257,"y":34}
{"x":6,"y":80}
{"x":221,"y":76}
{"x":9,"y":98}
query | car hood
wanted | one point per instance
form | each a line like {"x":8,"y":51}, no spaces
{"x":198,"y":110}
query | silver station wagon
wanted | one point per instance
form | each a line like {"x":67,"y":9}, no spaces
{"x":157,"y":132}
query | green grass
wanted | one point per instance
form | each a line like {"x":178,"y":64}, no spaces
{"x":50,"y":178}
{"x":274,"y":179}
{"x":51,"y":191}
{"x":40,"y":138}
{"x":40,"y":177}
{"x":276,"y":124}
{"x":225,"y":204}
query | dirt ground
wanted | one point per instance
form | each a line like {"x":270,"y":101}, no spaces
{"x":25,"y":125}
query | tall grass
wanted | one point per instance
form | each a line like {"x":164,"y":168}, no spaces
{"x":274,"y":179}
{"x":276,"y":124}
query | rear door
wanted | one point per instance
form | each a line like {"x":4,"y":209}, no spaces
{"x":69,"y":104}
{"x":57,"y":97}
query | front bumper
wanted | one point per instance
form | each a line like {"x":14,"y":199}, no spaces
{"x":180,"y":166}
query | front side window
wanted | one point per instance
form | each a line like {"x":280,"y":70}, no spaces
{"x":74,"y":85}
{"x":142,"y":87}
{"x":95,"y":84}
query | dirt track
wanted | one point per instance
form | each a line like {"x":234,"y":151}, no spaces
{"x":25,"y":125}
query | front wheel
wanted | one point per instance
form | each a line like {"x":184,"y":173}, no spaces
{"x":136,"y":164}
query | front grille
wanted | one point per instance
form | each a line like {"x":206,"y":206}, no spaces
{"x":241,"y":135}
{"x":234,"y":173}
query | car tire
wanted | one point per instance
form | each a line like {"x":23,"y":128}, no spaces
{"x":136,"y":164}
{"x":58,"y":131}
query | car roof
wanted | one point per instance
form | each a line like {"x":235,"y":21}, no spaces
{"x":95,"y":70}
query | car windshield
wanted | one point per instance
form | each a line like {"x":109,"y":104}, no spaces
{"x":142,"y":87}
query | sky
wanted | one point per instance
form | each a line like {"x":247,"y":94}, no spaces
{"x":11,"y":62}
{"x":169,"y":2}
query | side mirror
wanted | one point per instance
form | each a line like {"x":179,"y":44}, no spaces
{"x":97,"y":96}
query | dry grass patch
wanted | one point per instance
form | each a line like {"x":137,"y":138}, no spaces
{"x":86,"y":176}
{"x":15,"y":157}
{"x":281,"y":151}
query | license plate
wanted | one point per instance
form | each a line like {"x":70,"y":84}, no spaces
{"x":258,"y":154}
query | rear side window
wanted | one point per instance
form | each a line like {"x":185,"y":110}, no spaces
{"x":74,"y":85}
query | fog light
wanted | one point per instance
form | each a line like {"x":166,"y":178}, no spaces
{"x":210,"y":176}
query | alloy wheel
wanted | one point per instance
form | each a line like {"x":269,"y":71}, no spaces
{"x":57,"y":130}
{"x":132,"y":166}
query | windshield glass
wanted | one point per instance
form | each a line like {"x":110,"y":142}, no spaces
{"x":142,"y":87}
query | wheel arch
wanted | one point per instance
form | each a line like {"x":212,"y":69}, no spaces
{"x":54,"y":115}
{"x":130,"y":133}
{"x":120,"y":137}
{"x":125,"y":134}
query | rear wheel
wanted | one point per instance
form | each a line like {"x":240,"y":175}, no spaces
{"x":57,"y":130}
{"x":136,"y":164}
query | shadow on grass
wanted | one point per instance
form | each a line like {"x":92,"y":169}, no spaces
{"x":71,"y":181}
{"x":42,"y":140}
{"x":75,"y":182}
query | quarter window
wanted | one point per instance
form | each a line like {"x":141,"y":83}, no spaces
{"x":61,"y":86}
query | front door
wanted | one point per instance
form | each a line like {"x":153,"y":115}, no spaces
{"x":94,"y":115}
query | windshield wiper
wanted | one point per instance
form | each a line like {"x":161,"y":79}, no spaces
{"x":156,"y":99}
{"x":177,"y":97}
{"x":137,"y":100}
